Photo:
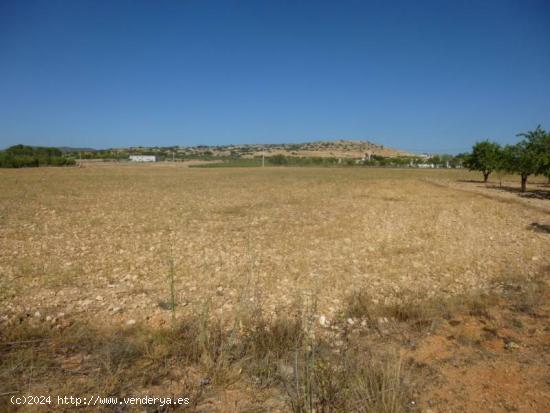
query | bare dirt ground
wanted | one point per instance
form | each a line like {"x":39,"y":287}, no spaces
{"x":505,"y":190}
{"x":128,"y":252}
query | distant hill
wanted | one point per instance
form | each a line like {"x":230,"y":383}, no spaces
{"x":335,"y":149}
{"x":325,"y":149}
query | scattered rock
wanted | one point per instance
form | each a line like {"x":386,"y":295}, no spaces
{"x":511,"y":346}
{"x":130,"y":322}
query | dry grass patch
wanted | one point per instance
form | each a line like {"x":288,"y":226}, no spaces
{"x":312,"y":369}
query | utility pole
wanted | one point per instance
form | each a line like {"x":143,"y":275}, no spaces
{"x":263,"y":158}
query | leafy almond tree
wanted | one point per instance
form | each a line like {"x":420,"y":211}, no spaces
{"x":531,"y":156}
{"x":539,"y":140}
{"x":486,"y":157}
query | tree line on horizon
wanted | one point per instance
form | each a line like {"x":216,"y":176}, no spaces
{"x":530,"y":156}
{"x":21,"y":156}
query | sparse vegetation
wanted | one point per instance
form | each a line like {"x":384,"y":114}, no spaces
{"x":262,"y":302}
{"x":313,"y":370}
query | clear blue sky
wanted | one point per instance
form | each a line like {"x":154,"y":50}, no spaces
{"x":417,"y":75}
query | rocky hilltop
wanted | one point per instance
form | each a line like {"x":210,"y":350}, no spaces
{"x":335,"y":148}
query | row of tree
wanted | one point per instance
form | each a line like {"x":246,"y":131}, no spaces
{"x":20,"y":156}
{"x":530,"y":156}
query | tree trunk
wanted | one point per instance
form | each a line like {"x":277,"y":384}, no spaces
{"x":523,"y":183}
{"x":486,"y":176}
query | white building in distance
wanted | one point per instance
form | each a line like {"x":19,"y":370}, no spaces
{"x":143,"y":158}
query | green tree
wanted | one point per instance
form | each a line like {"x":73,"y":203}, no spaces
{"x":278,"y":159}
{"x":539,"y":141}
{"x":486,"y":156}
{"x":531,"y":156}
{"x":20,"y":150}
{"x":20,"y":156}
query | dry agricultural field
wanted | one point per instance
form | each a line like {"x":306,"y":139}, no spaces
{"x":275,"y":289}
